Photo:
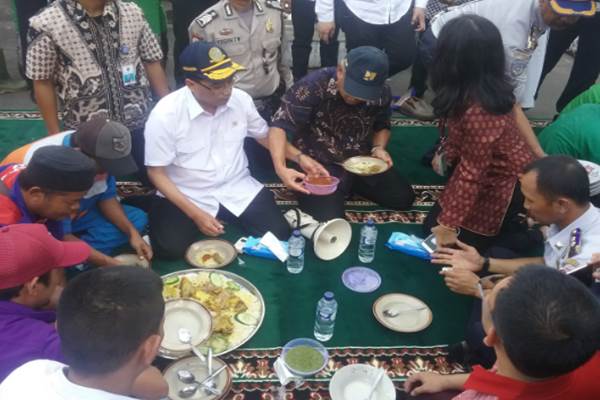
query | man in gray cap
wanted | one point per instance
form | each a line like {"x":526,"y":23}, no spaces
{"x":101,"y":221}
{"x":333,"y":114}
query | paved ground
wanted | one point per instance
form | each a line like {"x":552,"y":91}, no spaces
{"x":550,"y":91}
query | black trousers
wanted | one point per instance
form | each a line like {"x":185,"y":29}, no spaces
{"x":587,"y":61}
{"x":426,"y":46}
{"x":513,"y":226}
{"x":138,"y":144}
{"x":26,"y":9}
{"x":397,"y":39}
{"x":303,"y":19}
{"x":184,"y":12}
{"x":388,"y":189}
{"x":172,"y":232}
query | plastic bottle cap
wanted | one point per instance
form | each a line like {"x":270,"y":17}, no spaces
{"x":370,"y":222}
{"x":296,"y":232}
{"x":328,"y":295}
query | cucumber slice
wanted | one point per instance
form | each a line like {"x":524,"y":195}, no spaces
{"x":218,"y":279}
{"x":218,"y":343}
{"x":172,"y":280}
{"x":233,"y":286}
{"x":245,"y":318}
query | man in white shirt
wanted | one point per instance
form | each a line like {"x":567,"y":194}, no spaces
{"x":523,"y":25}
{"x":556,"y":192}
{"x":110,"y":326}
{"x":386,"y":24}
{"x":195,"y":157}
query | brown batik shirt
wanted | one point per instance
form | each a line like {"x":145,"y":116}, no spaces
{"x":323,"y":125}
{"x":85,"y":57}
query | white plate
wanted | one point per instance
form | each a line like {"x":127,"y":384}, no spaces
{"x":593,"y":171}
{"x":197,"y":250}
{"x":188,"y":314}
{"x":133,"y":260}
{"x":200,"y":371}
{"x":361,"y":165}
{"x":413,"y":314}
{"x":353,"y":382}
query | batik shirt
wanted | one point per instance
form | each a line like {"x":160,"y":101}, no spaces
{"x":86,"y":58}
{"x":488,"y":154}
{"x":323,"y":125}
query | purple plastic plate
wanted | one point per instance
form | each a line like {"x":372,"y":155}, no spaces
{"x":361,"y":279}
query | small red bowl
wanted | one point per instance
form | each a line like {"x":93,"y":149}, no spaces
{"x":321,"y":185}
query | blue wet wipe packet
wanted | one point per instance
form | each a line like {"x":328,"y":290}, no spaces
{"x":254,"y":248}
{"x":407,"y":244}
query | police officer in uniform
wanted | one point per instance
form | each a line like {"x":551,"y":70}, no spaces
{"x":251,"y":32}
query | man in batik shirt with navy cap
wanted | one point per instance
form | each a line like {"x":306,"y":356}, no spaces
{"x":195,"y":157}
{"x":333,"y":114}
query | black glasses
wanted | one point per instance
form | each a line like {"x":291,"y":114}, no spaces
{"x":218,"y":86}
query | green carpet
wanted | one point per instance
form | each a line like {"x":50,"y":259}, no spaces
{"x":291,"y":299}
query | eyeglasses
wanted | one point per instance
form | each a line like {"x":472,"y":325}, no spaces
{"x":218,"y":86}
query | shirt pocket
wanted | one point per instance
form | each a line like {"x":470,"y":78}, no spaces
{"x":271,"y":47}
{"x":233,"y":139}
{"x":192,"y":154}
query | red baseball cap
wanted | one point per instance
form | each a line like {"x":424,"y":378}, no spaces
{"x":28,"y":250}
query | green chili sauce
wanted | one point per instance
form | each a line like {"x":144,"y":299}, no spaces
{"x":304,"y":359}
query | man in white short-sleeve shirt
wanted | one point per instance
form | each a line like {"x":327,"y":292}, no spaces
{"x":523,"y":25}
{"x":195,"y":157}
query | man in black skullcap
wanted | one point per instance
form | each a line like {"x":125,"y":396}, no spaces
{"x":48,"y":190}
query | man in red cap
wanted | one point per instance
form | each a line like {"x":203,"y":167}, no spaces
{"x":30,"y":281}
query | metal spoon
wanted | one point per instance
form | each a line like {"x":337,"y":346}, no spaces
{"x":188,"y":391}
{"x":380,"y":374}
{"x":394,"y":312}
{"x":186,"y":376}
{"x":185,"y":336}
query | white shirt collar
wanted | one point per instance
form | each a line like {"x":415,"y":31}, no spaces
{"x":559,"y":240}
{"x":195,"y":109}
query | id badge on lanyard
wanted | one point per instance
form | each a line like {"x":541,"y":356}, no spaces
{"x":128,"y":73}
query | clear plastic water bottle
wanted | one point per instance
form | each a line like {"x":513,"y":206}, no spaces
{"x":368,"y":238}
{"x":295,"y":261}
{"x":325,"y":317}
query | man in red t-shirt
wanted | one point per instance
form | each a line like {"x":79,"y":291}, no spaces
{"x":544,"y":327}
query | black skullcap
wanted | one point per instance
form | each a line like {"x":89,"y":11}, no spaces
{"x":62,"y":169}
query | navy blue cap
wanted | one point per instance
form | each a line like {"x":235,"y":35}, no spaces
{"x":367,"y":69}
{"x":206,"y":60}
{"x":59,"y":168}
{"x":586,"y":8}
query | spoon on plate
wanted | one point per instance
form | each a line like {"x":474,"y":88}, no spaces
{"x":185,"y":336}
{"x":188,"y":391}
{"x":380,"y":374}
{"x":186,"y":376}
{"x":394,"y":312}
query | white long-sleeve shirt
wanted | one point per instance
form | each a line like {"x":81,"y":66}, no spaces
{"x":376,"y":12}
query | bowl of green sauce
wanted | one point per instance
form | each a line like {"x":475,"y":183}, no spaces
{"x":304,"y":357}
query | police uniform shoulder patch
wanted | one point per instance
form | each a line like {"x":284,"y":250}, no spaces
{"x":206,"y":18}
{"x":275,"y":4}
